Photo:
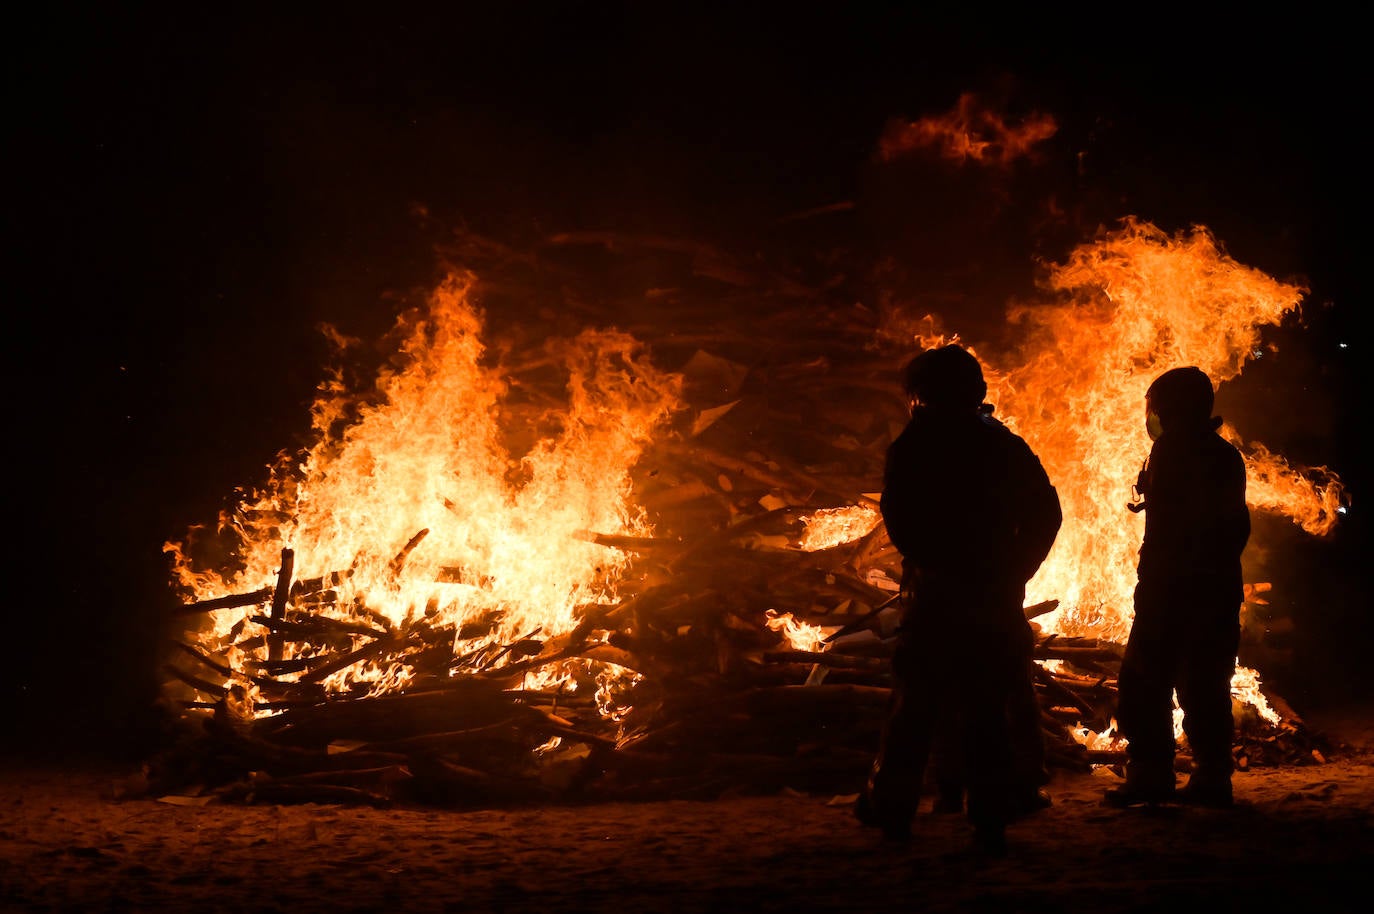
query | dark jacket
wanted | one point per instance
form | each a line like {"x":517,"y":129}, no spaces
{"x":970,"y":508}
{"x":1196,"y":519}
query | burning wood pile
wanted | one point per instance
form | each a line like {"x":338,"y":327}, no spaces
{"x":729,"y":625}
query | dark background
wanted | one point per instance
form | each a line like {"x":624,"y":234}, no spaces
{"x":193,"y":195}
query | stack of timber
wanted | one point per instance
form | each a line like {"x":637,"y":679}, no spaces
{"x":792,"y":400}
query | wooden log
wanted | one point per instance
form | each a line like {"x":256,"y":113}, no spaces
{"x":1081,"y":656}
{"x":277,"y":667}
{"x":752,"y":471}
{"x":279,"y":598}
{"x":559,"y":726}
{"x":399,"y":561}
{"x":380,"y":781}
{"x":676,"y":495}
{"x":506,"y":729}
{"x":304,"y":627}
{"x":449,"y":783}
{"x":317,"y":600}
{"x":230,"y":601}
{"x":513,"y":646}
{"x":383,"y":621}
{"x":609,"y":653}
{"x":471,"y":701}
{"x":1061,"y":693}
{"x":630,"y":543}
{"x":278,"y":793}
{"x":195,"y":682}
{"x":826,"y":658}
{"x":330,"y":667}
{"x":222,"y":668}
{"x":513,"y":671}
{"x":308,"y":586}
{"x":864,"y":620}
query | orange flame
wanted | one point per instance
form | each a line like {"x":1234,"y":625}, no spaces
{"x":801,"y":636}
{"x":970,"y":131}
{"x":832,"y":527}
{"x":1130,"y":306}
{"x":414,"y":501}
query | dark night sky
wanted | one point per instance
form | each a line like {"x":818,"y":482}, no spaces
{"x":196,"y":193}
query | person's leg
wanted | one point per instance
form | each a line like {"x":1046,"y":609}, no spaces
{"x":947,"y":762}
{"x":988,"y":749}
{"x":1030,"y":771}
{"x":1144,"y":713}
{"x":1204,"y":694}
{"x":893,"y":791}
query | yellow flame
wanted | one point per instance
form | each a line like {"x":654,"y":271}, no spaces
{"x":832,"y":527}
{"x":802,"y":636}
{"x":412,"y":502}
{"x":1245,"y":688}
{"x":1128,"y":307}
{"x":414,"y":496}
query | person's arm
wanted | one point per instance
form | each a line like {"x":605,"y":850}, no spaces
{"x":898,"y":501}
{"x":1041,"y":516}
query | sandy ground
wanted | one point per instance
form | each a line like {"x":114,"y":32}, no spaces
{"x":1300,"y":839}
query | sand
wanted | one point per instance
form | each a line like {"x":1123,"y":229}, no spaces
{"x":74,"y":837}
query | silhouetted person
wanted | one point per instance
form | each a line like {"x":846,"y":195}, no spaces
{"x":1030,"y":772}
{"x":973,"y":514}
{"x":1188,"y":595}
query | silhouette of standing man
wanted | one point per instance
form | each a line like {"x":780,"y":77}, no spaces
{"x":1188,"y":595}
{"x":970,"y":508}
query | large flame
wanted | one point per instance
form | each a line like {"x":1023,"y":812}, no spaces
{"x":1131,"y":306}
{"x":414,"y":503}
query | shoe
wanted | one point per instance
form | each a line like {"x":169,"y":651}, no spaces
{"x":990,"y":841}
{"x":1127,"y":795}
{"x":1211,"y":794}
{"x":1031,"y":801}
{"x":948,"y":802}
{"x":896,"y":828}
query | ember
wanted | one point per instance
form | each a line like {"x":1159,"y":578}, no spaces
{"x":645,"y":560}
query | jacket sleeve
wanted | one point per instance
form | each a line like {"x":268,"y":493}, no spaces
{"x":899,"y":501}
{"x":1197,"y":522}
{"x":1040,"y":521}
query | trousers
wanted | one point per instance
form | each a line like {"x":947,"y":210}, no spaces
{"x":1183,"y":641}
{"x":962,"y":687}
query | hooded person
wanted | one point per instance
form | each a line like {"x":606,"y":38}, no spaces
{"x":970,"y":508}
{"x":1189,"y":589}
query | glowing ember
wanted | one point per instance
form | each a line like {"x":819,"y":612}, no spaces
{"x":832,"y":527}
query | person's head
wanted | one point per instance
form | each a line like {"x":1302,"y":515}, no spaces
{"x":1178,"y":399}
{"x":945,"y":378}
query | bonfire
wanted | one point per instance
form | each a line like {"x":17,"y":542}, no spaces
{"x":632,"y":548}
